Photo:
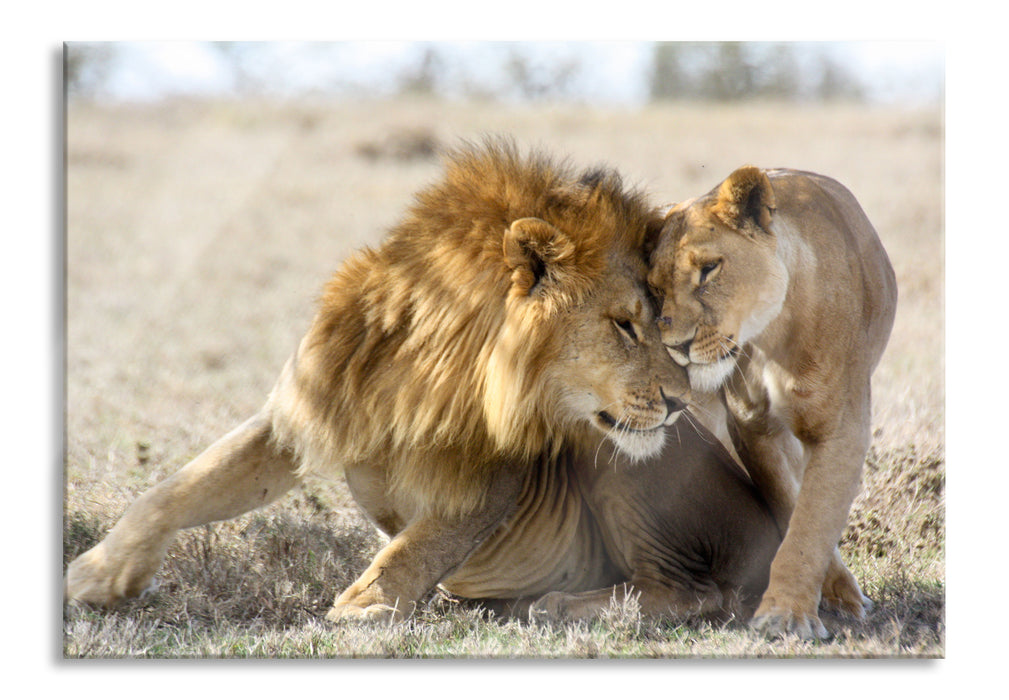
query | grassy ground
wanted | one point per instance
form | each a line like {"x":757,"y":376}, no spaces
{"x":199,"y":235}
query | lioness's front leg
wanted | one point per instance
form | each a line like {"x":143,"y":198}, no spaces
{"x":809,"y":549}
{"x":426,"y":551}
{"x":241,"y":471}
{"x":775,"y":463}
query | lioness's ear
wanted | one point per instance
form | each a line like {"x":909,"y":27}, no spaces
{"x":745,"y":198}
{"x":533,"y":250}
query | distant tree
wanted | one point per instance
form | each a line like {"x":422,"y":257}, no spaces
{"x":731,"y":75}
{"x":423,"y":78}
{"x":702,"y":70}
{"x":730,"y":71}
{"x":834,"y":82}
{"x":668,"y":78}
{"x":779,"y":72}
{"x":85,"y":67}
{"x":535,"y":79}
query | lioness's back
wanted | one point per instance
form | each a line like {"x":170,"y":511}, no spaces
{"x":808,"y":197}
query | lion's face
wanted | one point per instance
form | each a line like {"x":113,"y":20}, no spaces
{"x":595,"y":359}
{"x":611,"y":371}
{"x":721,"y":283}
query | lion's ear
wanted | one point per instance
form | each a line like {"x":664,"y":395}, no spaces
{"x":534,"y":251}
{"x":653,"y":234}
{"x":744,"y":199}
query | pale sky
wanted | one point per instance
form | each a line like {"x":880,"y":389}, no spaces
{"x":893,"y":70}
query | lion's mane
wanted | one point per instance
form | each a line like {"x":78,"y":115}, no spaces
{"x":425,"y":351}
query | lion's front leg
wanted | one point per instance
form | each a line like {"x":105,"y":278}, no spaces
{"x":241,"y":471}
{"x":423,"y":554}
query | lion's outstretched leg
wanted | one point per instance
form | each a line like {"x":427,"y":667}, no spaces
{"x":653,"y":600}
{"x":241,"y":471}
{"x":426,"y":551}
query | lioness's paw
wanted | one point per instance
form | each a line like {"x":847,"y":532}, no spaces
{"x":779,"y":622}
{"x":377,"y":613}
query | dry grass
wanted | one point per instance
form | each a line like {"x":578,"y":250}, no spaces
{"x":198,"y":236}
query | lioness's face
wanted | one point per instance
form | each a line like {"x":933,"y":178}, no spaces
{"x":612,"y":371}
{"x":719,"y":288}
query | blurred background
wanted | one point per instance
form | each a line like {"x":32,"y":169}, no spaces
{"x":204,"y":175}
{"x":628,"y":73}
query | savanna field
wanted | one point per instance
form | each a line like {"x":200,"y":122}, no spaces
{"x":199,"y":235}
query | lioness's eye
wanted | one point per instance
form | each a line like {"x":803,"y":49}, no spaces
{"x":627,"y":328}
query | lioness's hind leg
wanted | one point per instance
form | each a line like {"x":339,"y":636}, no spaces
{"x":241,"y":471}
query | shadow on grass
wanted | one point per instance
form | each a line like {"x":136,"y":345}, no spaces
{"x":275,"y":568}
{"x":908,"y":617}
{"x":277,"y":572}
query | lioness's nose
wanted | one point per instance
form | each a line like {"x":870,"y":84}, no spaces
{"x":682,"y":348}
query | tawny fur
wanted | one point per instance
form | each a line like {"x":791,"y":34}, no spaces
{"x":778,"y":300}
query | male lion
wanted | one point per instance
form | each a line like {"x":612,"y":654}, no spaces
{"x":778,"y":292}
{"x":474,"y":376}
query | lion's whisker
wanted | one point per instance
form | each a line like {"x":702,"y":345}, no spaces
{"x":697,"y":409}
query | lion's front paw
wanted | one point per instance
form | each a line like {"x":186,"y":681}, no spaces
{"x":377,"y":613}
{"x":775,"y":621}
{"x":96,"y":579}
{"x":369,"y":603}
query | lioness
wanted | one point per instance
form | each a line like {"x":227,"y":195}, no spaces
{"x":463,"y":375}
{"x":777,"y":292}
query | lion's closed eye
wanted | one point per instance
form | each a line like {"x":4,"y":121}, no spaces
{"x":626,"y":327}
{"x":709,"y":270}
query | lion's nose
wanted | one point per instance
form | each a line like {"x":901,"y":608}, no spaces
{"x":673,"y":403}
